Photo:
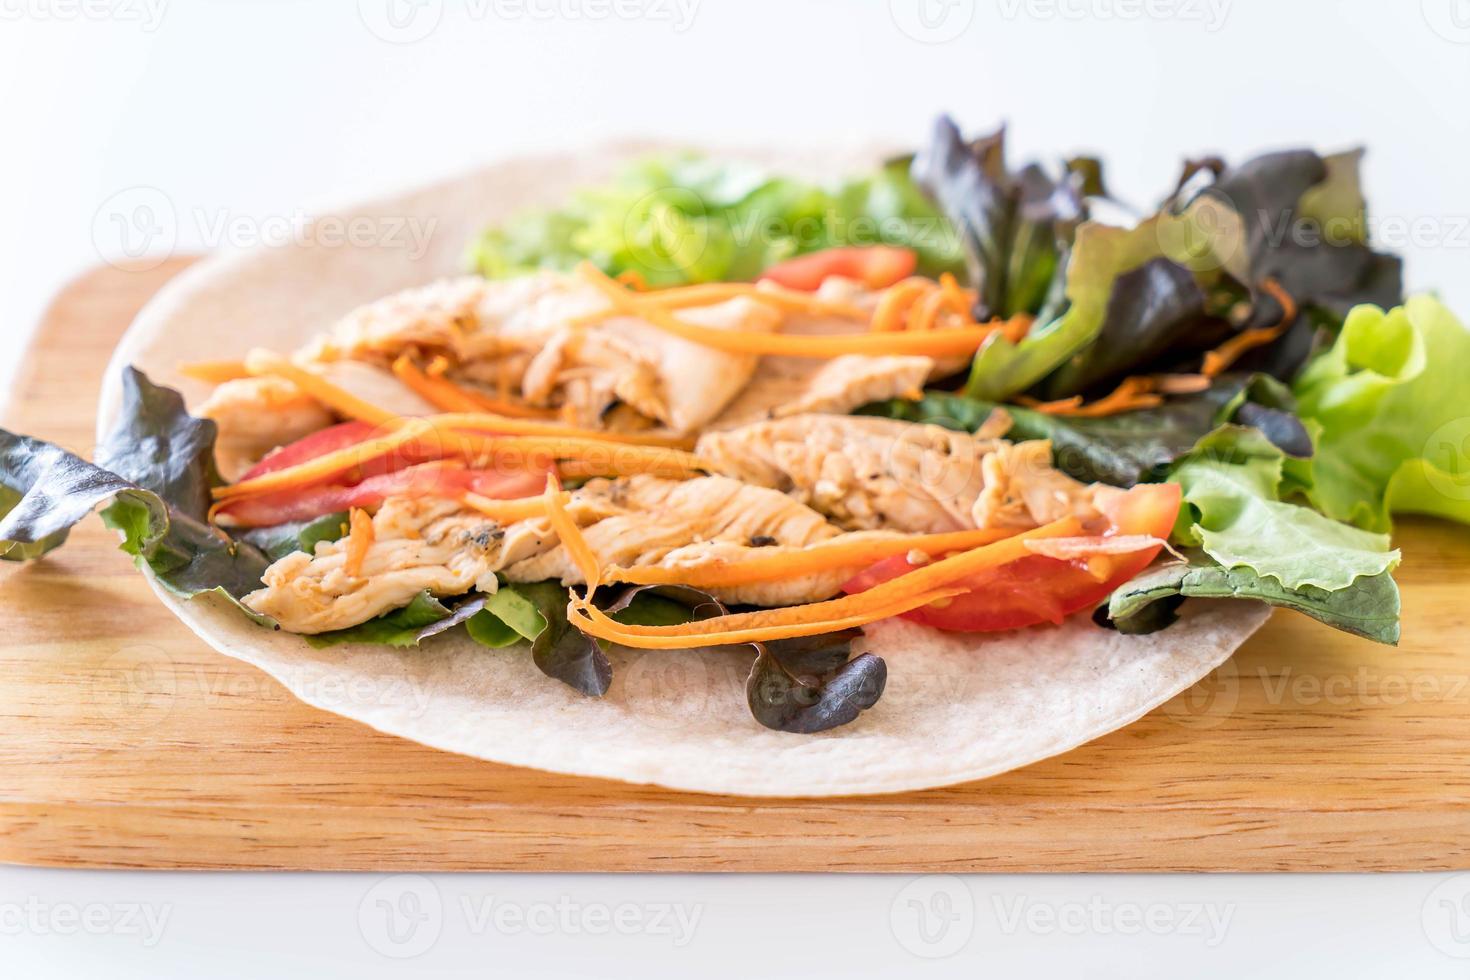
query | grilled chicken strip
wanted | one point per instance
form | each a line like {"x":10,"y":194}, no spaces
{"x":680,"y":384}
{"x":255,"y":415}
{"x":437,"y":545}
{"x":418,"y":544}
{"x":867,"y":473}
{"x":646,"y":520}
{"x":517,"y":334}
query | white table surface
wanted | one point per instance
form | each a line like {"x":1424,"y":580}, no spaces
{"x":249,"y":110}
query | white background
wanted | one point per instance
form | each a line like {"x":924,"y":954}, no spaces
{"x":248,"y":111}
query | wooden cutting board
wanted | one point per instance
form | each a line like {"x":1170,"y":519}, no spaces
{"x":126,"y":742}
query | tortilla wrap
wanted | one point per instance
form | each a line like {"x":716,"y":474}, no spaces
{"x":957,"y":707}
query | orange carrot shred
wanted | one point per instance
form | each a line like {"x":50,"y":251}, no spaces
{"x":359,"y":541}
{"x":570,"y":535}
{"x":215,"y":372}
{"x":263,"y":362}
{"x":1217,"y":360}
{"x":935,"y":581}
{"x":938,"y":343}
{"x":812,"y":560}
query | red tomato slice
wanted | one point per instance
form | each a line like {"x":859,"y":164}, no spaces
{"x":340,"y":437}
{"x":426,"y":480}
{"x":875,"y":266}
{"x":1038,"y":589}
{"x":317,"y":444}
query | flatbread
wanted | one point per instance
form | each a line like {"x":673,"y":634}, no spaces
{"x":956,"y":707}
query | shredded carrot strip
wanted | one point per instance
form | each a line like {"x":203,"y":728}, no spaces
{"x":893,"y":306}
{"x":928,"y":310}
{"x":436,"y":391}
{"x":571,"y":536}
{"x":502,"y":404}
{"x":1132,"y":393}
{"x":1017,"y":327}
{"x":708,"y":294}
{"x":326,"y":466}
{"x":594,"y":456}
{"x":215,"y":372}
{"x":359,"y":540}
{"x":932,"y":582}
{"x":960,"y":299}
{"x":527,"y":427}
{"x":633,"y":279}
{"x":593,"y":621}
{"x":817,"y":558}
{"x":1217,"y":360}
{"x":444,"y":394}
{"x":1180,"y":384}
{"x":261,"y":362}
{"x":1058,"y":407}
{"x":506,"y":511}
{"x":940,"y":343}
{"x":789,"y":300}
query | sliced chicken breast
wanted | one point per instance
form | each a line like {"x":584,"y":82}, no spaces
{"x":418,"y":544}
{"x":255,"y":416}
{"x":645,"y":520}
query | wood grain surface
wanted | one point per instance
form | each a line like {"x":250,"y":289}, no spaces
{"x":126,"y":742}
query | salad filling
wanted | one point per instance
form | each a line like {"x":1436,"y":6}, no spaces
{"x":998,"y":415}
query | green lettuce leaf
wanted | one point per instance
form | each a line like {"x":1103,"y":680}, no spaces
{"x":1130,"y":447}
{"x":1100,"y":255}
{"x":154,"y":471}
{"x":1232,"y":510}
{"x":687,"y":219}
{"x":1368,"y":608}
{"x":1391,"y":409}
{"x":509,"y":616}
{"x":283,"y":539}
{"x":1155,"y":296}
{"x":1016,"y":227}
{"x":400,"y":628}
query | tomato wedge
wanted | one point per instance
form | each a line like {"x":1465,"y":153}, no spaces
{"x":341,"y":436}
{"x":1039,"y":589}
{"x":875,"y":266}
{"x":426,"y":480}
{"x":310,"y":447}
